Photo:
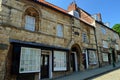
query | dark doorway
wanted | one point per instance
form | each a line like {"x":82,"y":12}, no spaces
{"x":73,"y":61}
{"x":84,"y":61}
{"x":44,"y":66}
{"x":109,"y":58}
{"x":113,"y":55}
{"x":26,"y":76}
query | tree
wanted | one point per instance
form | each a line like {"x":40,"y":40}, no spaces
{"x":116,"y":27}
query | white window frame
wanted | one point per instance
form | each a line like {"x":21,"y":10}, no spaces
{"x":105,"y":44}
{"x":60,"y":61}
{"x":118,"y":57}
{"x":117,"y":47}
{"x":92,"y":57}
{"x":84,"y":37}
{"x":30,"y":23}
{"x":59,"y":30}
{"x":105,"y":57}
{"x":103,"y":30}
{"x":29,"y":60}
{"x":76,"y":14}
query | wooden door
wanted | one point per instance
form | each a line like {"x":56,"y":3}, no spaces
{"x":44,"y":66}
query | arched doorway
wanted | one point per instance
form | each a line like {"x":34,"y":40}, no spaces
{"x":75,"y":58}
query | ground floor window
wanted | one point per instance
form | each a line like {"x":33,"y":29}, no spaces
{"x":92,"y":57}
{"x":60,"y":62}
{"x":105,"y":57}
{"x":29,"y":60}
{"x":118,"y":57}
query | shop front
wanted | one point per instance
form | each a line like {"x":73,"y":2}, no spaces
{"x":106,"y":56}
{"x":33,"y":61}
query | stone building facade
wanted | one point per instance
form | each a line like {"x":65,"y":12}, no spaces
{"x":108,"y":41}
{"x":40,"y":40}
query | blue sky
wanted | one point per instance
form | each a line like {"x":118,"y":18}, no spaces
{"x":109,"y":9}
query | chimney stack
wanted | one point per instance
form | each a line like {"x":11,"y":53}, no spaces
{"x":99,"y":17}
{"x":72,"y":6}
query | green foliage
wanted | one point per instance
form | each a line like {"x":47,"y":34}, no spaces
{"x":116,"y":27}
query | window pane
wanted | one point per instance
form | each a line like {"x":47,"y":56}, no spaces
{"x":30,"y":23}
{"x":92,"y":57}
{"x":105,"y":57}
{"x":60,"y":62}
{"x":59,"y":30}
{"x":84,"y":37}
{"x":103,"y":30}
{"x":29,"y":60}
{"x":105,"y":44}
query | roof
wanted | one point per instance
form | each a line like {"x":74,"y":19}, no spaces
{"x":52,"y":6}
{"x":105,"y":26}
{"x":42,"y":2}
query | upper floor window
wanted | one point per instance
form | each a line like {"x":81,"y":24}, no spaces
{"x":115,"y":36}
{"x":31,"y":19}
{"x":103,"y":30}
{"x":84,"y":37}
{"x":74,"y":13}
{"x":29,"y":23}
{"x":60,"y":30}
{"x":105,"y":44}
{"x":117,"y":47}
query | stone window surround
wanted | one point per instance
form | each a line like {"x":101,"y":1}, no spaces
{"x":30,"y":11}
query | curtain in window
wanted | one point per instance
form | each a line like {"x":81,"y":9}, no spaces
{"x":92,"y":57}
{"x":29,"y":60}
{"x":29,"y":23}
{"x":60,"y":63}
{"x":84,"y":37}
{"x":59,"y":30}
{"x":105,"y":57}
{"x":105,"y":44}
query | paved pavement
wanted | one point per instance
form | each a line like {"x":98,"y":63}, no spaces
{"x":88,"y":74}
{"x":113,"y":75}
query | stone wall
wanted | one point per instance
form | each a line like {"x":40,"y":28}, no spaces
{"x":12,"y":27}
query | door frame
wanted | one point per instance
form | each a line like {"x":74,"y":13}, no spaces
{"x":86,"y":55}
{"x":49,"y":53}
{"x":76,"y":62}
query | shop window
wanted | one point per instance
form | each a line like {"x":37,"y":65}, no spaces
{"x":105,"y":57}
{"x":60,"y":30}
{"x":119,"y":57}
{"x":31,"y":19}
{"x":60,"y":63}
{"x":117,"y":47}
{"x":92,"y":57}
{"x":29,"y":60}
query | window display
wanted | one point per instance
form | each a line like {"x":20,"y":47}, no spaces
{"x":105,"y":57}
{"x":29,"y":60}
{"x":60,"y":63}
{"x":92,"y":57}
